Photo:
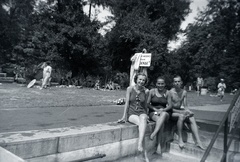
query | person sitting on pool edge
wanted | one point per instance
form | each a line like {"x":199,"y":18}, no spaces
{"x":160,"y":108}
{"x":178,"y":99}
{"x":135,"y":110}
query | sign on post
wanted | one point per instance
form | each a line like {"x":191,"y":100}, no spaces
{"x":145,"y":60}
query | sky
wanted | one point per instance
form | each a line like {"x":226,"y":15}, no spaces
{"x":196,"y":5}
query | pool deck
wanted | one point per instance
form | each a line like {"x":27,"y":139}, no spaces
{"x":75,"y":141}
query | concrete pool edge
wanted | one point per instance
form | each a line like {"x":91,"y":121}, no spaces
{"x":61,"y":141}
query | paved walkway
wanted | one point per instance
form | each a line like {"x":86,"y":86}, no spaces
{"x":221,"y":108}
{"x":12,"y":120}
{"x":210,"y":112}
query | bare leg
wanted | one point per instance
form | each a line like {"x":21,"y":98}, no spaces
{"x":180,"y":120}
{"x":141,"y":121}
{"x":45,"y":81}
{"x":194,"y":129}
{"x":159,"y":141}
{"x":159,"y":122}
{"x":199,"y":90}
{"x":221,"y":96}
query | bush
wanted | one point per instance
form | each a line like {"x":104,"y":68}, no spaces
{"x":211,"y":84}
{"x":122,"y":79}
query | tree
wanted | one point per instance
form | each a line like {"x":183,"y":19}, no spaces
{"x":144,"y":24}
{"x":63,"y":34}
{"x":14,"y":20}
{"x":212,"y":45}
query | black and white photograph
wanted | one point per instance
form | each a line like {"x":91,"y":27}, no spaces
{"x":119,"y":80}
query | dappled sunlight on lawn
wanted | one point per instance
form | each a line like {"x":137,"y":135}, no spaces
{"x":14,"y":95}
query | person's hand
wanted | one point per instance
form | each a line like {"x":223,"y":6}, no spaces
{"x":188,"y":113}
{"x":159,"y":111}
{"x":123,"y":120}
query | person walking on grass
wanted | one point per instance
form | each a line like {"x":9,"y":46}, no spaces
{"x":135,"y":110}
{"x":182,"y":115}
{"x":221,"y":89}
{"x":199,"y":84}
{"x":47,"y":71}
{"x":160,"y":109}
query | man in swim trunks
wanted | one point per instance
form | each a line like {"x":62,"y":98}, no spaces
{"x":179,"y":99}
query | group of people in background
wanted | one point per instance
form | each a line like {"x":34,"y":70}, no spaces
{"x":220,"y":87}
{"x":160,"y":105}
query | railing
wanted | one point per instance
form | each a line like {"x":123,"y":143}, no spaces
{"x":225,"y":123}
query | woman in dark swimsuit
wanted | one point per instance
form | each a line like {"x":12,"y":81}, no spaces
{"x":135,"y":110}
{"x":160,"y":108}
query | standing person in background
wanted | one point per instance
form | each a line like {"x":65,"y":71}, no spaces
{"x":178,"y":99}
{"x":47,"y":71}
{"x":160,"y":109}
{"x":221,"y":89}
{"x":199,"y":84}
{"x":135,"y":110}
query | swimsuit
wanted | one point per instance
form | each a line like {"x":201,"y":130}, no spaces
{"x":159,"y":103}
{"x":137,"y":103}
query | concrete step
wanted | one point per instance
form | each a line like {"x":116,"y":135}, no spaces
{"x":191,"y":150}
{"x":166,"y":157}
{"x":6,"y":79}
{"x":206,"y":138}
{"x":3,"y":74}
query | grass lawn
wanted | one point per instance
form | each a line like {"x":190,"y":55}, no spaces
{"x":16,"y":96}
{"x":33,"y":109}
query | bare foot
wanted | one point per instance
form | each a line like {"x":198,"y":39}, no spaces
{"x":181,"y":145}
{"x":200,"y":146}
{"x":159,"y":150}
{"x":140,"y":148}
{"x":142,"y":157}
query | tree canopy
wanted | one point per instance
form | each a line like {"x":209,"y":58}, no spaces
{"x":212,"y":45}
{"x":58,"y":30}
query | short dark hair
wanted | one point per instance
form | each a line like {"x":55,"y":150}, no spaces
{"x":160,"y":77}
{"x":177,"y":76}
{"x":136,"y":77}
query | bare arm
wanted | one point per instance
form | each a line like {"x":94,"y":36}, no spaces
{"x":188,"y":112}
{"x":151,"y":93}
{"x":169,"y":103}
{"x":126,"y":106}
{"x":147,"y":93}
{"x":185,"y":100}
{"x":50,"y":70}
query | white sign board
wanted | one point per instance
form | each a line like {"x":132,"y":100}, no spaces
{"x":145,"y":60}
